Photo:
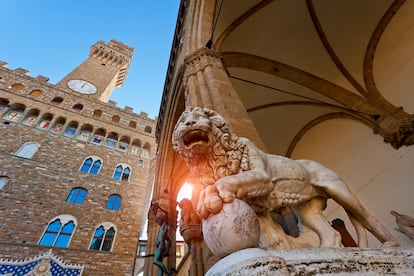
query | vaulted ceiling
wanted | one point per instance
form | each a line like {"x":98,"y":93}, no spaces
{"x":296,"y":63}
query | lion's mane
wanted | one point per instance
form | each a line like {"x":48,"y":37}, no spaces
{"x":228,"y":154}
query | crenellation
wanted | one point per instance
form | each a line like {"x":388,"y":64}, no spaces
{"x":41,"y":78}
{"x":22,"y":71}
{"x":3,"y":64}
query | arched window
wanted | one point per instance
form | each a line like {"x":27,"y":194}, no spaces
{"x":91,"y":165}
{"x":132,"y":124}
{"x":148,"y":129}
{"x":78,"y":106}
{"x":77,"y":195}
{"x":36,"y":93}
{"x":59,"y":231}
{"x":122,"y":172}
{"x":103,"y":237}
{"x":114,"y":202}
{"x":27,"y":150}
{"x":57,"y":100}
{"x":4,"y":179}
{"x":115,"y":119}
{"x":97,"y":113}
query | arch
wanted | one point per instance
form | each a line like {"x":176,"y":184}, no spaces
{"x":112,"y":139}
{"x":4,"y":179}
{"x":99,"y":136}
{"x":148,"y":129}
{"x":114,"y":202}
{"x":36,"y":93}
{"x":122,"y":172}
{"x":97,"y":113}
{"x":77,"y":195}
{"x":57,"y":100}
{"x":44,"y":122}
{"x":31,"y":117}
{"x":15,"y":113}
{"x":78,"y":106}
{"x":124,"y":143}
{"x":59,"y":231}
{"x":58,"y":125}
{"x":116,"y":119}
{"x":146,"y":150}
{"x":85,"y":132}
{"x":103,"y":237}
{"x":71,"y":128}
{"x":4,"y":104}
{"x":132,"y":124}
{"x":136,"y":147}
{"x":92,"y":165}
{"x":27,"y":150}
{"x":17,"y":87}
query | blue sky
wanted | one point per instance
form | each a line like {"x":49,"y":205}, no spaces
{"x":52,"y":37}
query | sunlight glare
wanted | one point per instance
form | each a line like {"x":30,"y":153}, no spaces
{"x":185,"y":192}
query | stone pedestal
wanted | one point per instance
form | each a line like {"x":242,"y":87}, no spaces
{"x":319,"y":261}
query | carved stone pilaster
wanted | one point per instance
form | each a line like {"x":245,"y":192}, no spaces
{"x":397,"y":128}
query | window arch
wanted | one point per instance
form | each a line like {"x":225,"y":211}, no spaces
{"x":4,"y":103}
{"x":145,"y":152}
{"x":71,"y":129}
{"x":4,"y":179}
{"x":17,"y":86}
{"x":27,"y":150}
{"x":122,"y":172}
{"x":135,"y":147}
{"x":58,"y":125}
{"x":85,"y":132}
{"x":78,"y":106}
{"x":15,"y":112}
{"x":132,"y":124}
{"x":114,"y":202}
{"x":45,"y":121}
{"x":59,"y":231}
{"x":77,"y":195}
{"x":57,"y":100}
{"x":31,"y":117}
{"x":148,"y":129}
{"x":92,"y":165}
{"x":97,"y":113}
{"x":115,"y":119}
{"x":103,"y":237}
{"x":36,"y":93}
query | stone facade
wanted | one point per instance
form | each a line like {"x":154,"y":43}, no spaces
{"x":69,"y":127}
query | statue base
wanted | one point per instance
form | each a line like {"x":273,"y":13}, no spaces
{"x":317,"y":261}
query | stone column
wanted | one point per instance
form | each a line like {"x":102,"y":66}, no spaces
{"x":207,"y":84}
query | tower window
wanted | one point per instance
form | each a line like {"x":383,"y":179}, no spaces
{"x":3,"y":181}
{"x":27,"y":150}
{"x":17,"y":86}
{"x":97,"y":113}
{"x":36,"y":93}
{"x":77,"y":195}
{"x":148,"y":129}
{"x":114,"y":202}
{"x":59,"y":231}
{"x":122,"y":172}
{"x":115,"y":119}
{"x":103,"y":237}
{"x":132,"y":124}
{"x":78,"y":106}
{"x":57,"y":100}
{"x":91,"y":165}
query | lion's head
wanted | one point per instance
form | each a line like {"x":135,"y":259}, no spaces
{"x":204,"y":141}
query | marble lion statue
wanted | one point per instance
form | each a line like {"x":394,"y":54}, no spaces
{"x":229,"y":167}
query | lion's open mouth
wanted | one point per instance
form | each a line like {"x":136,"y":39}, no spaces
{"x":195,"y":137}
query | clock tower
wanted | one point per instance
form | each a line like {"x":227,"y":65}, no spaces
{"x":104,"y":70}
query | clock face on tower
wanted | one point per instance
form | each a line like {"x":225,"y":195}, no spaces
{"x":82,"y":86}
